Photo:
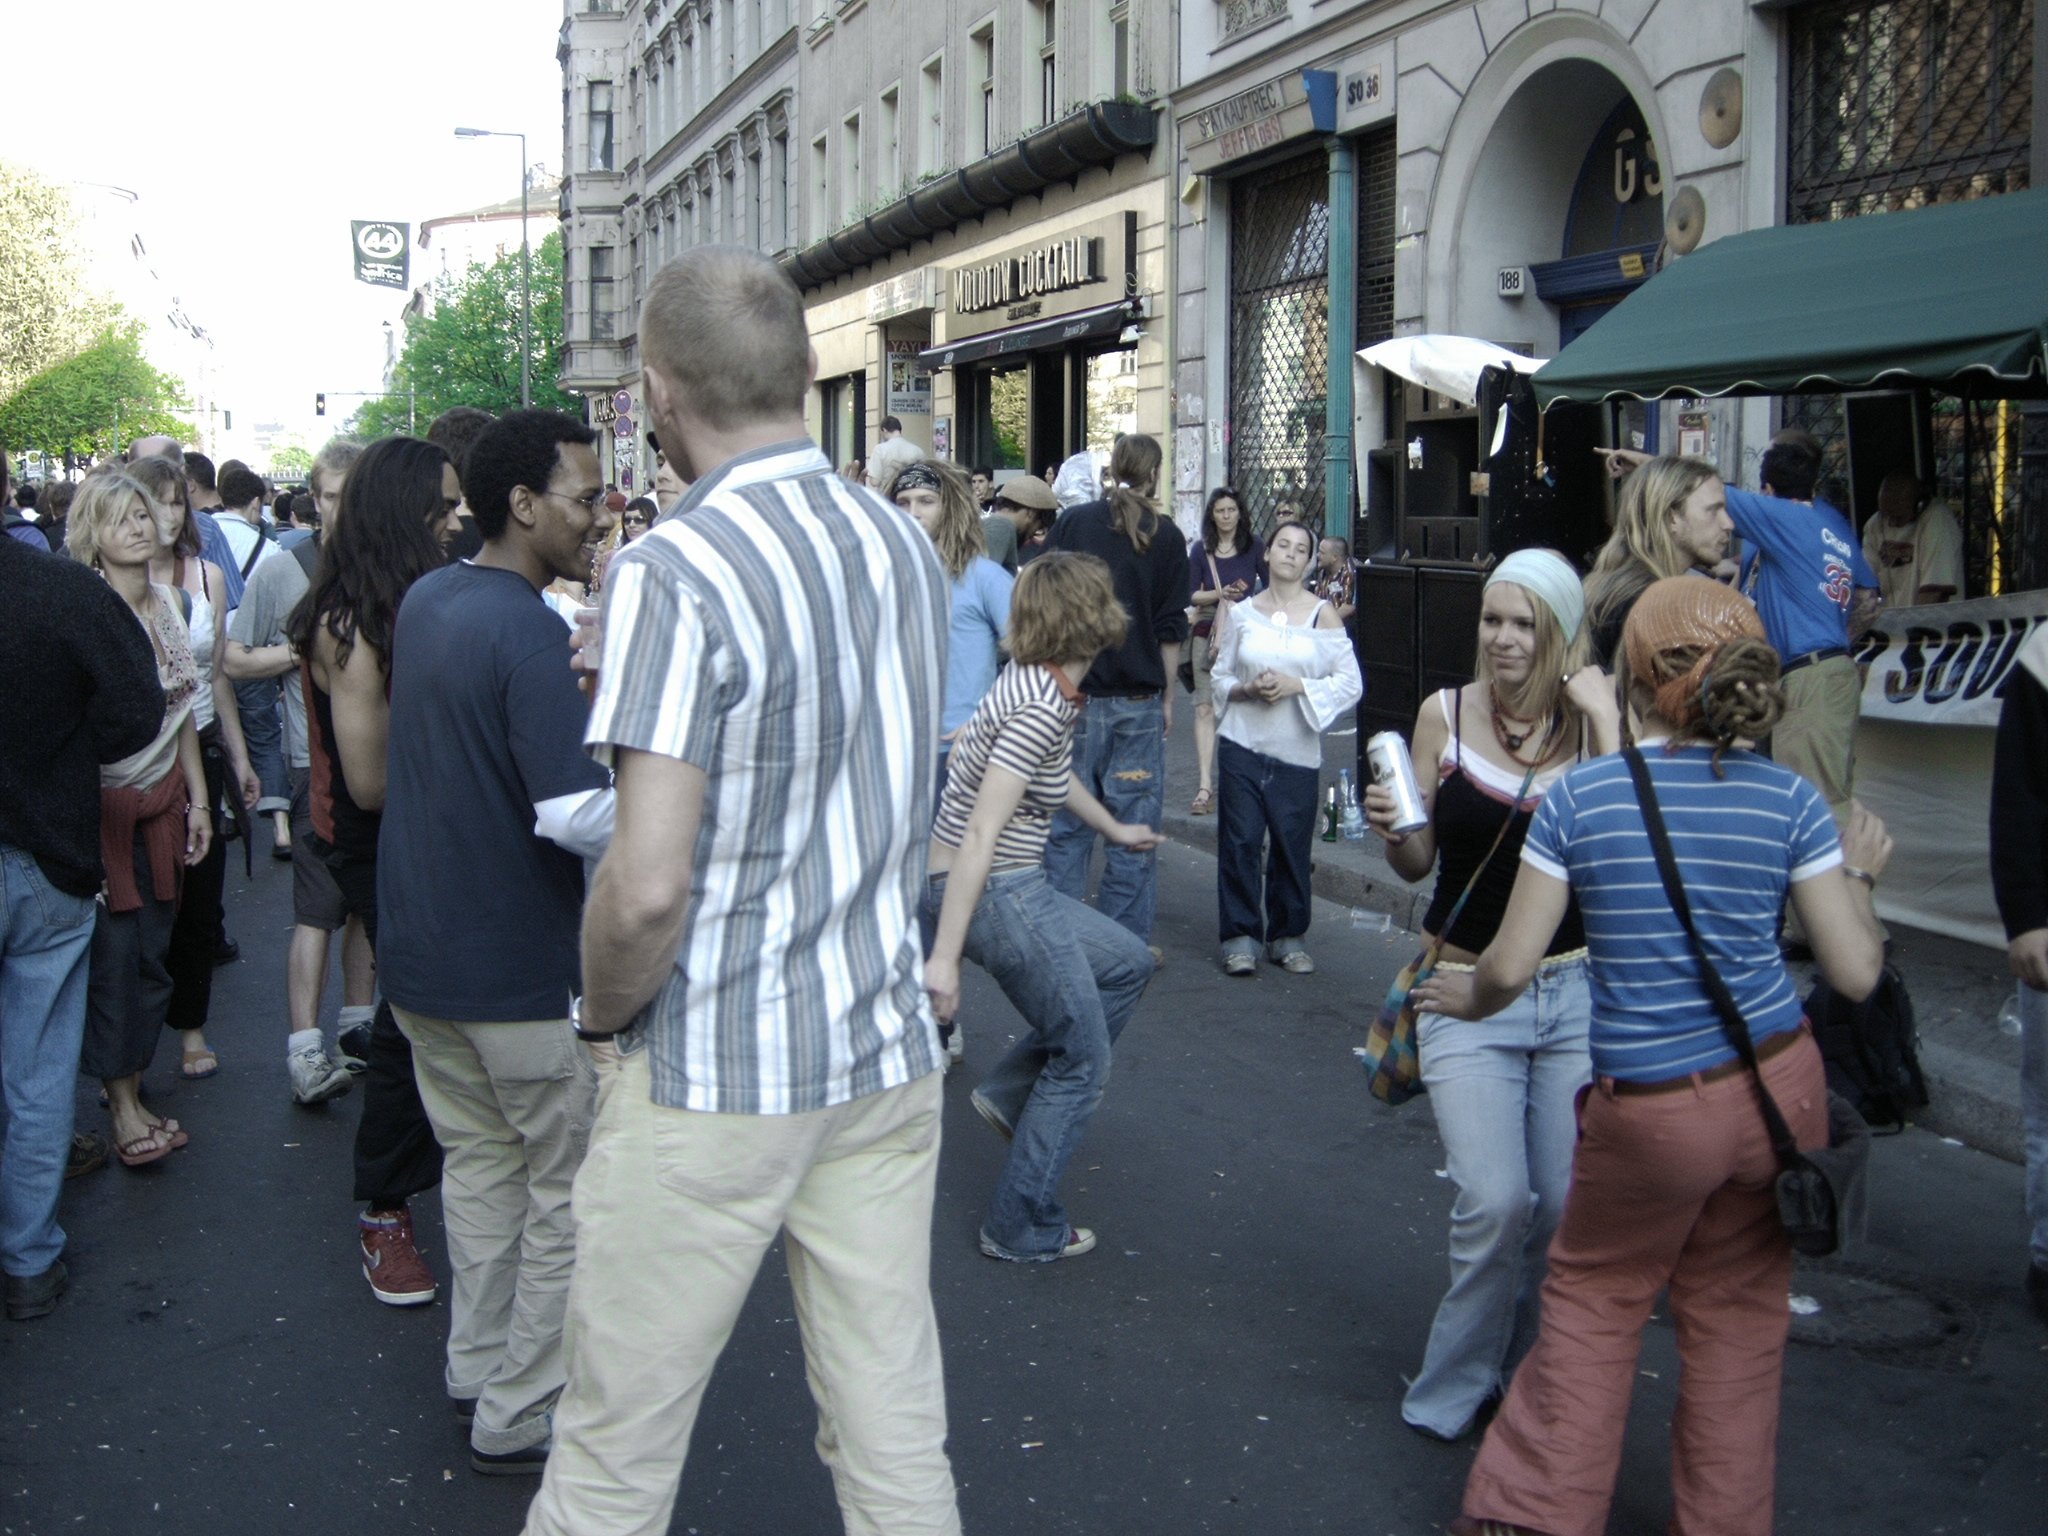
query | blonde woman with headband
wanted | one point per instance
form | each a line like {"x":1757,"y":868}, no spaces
{"x":1503,"y":1091}
{"x":1672,"y":1182}
{"x":1672,"y":519}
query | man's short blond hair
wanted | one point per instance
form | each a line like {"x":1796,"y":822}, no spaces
{"x":725,"y":325}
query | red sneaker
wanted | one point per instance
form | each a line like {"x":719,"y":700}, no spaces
{"x":398,"y":1276}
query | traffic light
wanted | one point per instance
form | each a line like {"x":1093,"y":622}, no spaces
{"x":320,"y":405}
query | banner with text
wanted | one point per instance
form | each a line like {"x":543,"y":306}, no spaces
{"x":1946,"y":663}
{"x":383,"y":258}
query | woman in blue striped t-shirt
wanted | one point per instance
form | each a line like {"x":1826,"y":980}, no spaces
{"x":1672,"y":1180}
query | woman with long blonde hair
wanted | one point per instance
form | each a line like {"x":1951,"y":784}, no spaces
{"x":1485,"y":756}
{"x":1120,"y":743}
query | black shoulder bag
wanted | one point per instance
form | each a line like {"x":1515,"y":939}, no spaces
{"x":1820,"y":1193}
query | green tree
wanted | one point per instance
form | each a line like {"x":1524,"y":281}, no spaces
{"x":87,"y":405}
{"x":465,"y":350}
{"x":47,"y":313}
{"x":290,"y":461}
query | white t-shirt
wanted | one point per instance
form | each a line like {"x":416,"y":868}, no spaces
{"x":1928,"y":552}
{"x":242,"y":537}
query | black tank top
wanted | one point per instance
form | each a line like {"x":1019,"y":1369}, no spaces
{"x":354,"y":829}
{"x":1468,"y":816}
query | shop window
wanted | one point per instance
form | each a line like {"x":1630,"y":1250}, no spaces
{"x":1109,"y":398}
{"x":1001,"y":404}
{"x":1279,"y":339}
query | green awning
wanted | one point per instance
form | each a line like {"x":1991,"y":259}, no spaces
{"x":1954,"y":297}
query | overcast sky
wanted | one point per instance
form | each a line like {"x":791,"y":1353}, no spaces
{"x":254,"y":133}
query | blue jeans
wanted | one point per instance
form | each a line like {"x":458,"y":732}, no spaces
{"x":2034,"y":1111}
{"x":1120,"y":759}
{"x":257,"y":702}
{"x":1263,"y":806}
{"x":45,"y":936}
{"x":1076,"y":977}
{"x":1505,"y":1093}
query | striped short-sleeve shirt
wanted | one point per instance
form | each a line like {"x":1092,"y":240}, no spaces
{"x":1740,"y":842}
{"x":1025,"y":724}
{"x":785,"y":632}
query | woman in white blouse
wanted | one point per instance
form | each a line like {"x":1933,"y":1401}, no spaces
{"x":1284,"y":672}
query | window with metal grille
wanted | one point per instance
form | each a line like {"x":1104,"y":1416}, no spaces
{"x":1279,"y":339}
{"x":1900,"y":103}
{"x":1897,"y":104}
{"x":1375,"y":236}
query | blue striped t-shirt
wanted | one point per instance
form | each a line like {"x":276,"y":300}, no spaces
{"x":1740,"y":841}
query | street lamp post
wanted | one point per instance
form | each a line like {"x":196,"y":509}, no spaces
{"x":525,"y":263}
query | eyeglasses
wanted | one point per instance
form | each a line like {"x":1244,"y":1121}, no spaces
{"x":634,"y":520}
{"x":589,"y":503}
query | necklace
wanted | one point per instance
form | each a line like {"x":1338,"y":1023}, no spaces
{"x":1513,"y":741}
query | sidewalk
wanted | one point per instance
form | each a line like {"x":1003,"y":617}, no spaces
{"x":1958,"y":989}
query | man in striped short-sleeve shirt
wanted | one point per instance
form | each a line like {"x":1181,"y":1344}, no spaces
{"x":773,"y":664}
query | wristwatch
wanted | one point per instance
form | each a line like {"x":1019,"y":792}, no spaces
{"x":576,"y":1025}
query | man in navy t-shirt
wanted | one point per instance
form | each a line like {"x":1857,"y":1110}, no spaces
{"x":1803,"y":571}
{"x":490,"y":801}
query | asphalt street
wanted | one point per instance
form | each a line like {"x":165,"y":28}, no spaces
{"x":1229,"y":1359}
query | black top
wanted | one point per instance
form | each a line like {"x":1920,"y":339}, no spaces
{"x":486,"y":723}
{"x":347,"y":826}
{"x":1468,"y":817}
{"x":2019,"y":806}
{"x":79,"y":688}
{"x":1153,"y":586}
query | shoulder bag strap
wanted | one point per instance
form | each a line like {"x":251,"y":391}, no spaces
{"x":262,"y":538}
{"x":1782,"y":1140}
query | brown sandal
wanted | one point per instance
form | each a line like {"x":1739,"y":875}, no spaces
{"x":1204,"y":803}
{"x":152,"y":1146}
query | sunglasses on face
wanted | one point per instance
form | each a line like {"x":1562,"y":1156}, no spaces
{"x":634,"y":520}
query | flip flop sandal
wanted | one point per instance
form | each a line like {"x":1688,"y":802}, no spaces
{"x":207,"y":1056}
{"x":150,"y":1147}
{"x":1204,"y":803}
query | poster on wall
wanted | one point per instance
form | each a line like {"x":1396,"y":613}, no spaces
{"x":942,"y":437}
{"x":910,"y":386}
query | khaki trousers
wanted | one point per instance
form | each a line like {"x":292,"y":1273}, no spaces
{"x":511,"y":1105}
{"x":1671,"y":1189}
{"x":1817,"y":737}
{"x":674,"y":1211}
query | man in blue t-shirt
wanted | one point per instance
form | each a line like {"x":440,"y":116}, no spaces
{"x":1804,"y":571}
{"x":490,"y":802}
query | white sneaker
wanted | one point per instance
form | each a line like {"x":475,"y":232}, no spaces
{"x":315,"y":1076}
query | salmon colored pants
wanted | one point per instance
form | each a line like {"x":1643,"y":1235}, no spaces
{"x":1669,"y":1190}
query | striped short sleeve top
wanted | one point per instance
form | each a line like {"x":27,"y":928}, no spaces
{"x":1740,"y":840}
{"x":1024,"y":724}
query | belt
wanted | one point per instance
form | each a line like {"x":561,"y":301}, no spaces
{"x":1549,"y":965}
{"x":1776,"y":1045}
{"x":1119,"y":693}
{"x":1828,"y":653}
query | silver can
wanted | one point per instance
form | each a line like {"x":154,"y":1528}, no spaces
{"x":1386,"y":755}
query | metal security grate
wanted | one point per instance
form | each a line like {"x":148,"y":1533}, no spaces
{"x":1901,"y":103}
{"x":1279,"y":339}
{"x":1376,"y":231}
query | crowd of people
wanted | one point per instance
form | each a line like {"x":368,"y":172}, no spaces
{"x":751,"y":767}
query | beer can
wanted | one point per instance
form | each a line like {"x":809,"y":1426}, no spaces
{"x":1386,"y":754}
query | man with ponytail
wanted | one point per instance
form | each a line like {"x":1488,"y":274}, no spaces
{"x":1672,"y":1186}
{"x":1120,"y":740}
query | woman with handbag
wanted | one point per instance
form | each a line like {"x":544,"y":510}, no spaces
{"x":199,"y":941}
{"x":1676,"y":1180}
{"x":1224,"y":567}
{"x":1485,"y":756}
{"x":1284,"y":673}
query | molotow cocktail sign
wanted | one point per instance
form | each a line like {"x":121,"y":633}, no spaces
{"x":382,"y":257}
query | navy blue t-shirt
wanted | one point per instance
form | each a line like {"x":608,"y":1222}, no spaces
{"x":478,"y":918}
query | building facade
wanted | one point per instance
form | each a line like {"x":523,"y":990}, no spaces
{"x":677,"y":123}
{"x":1510,"y":170}
{"x":983,"y":222}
